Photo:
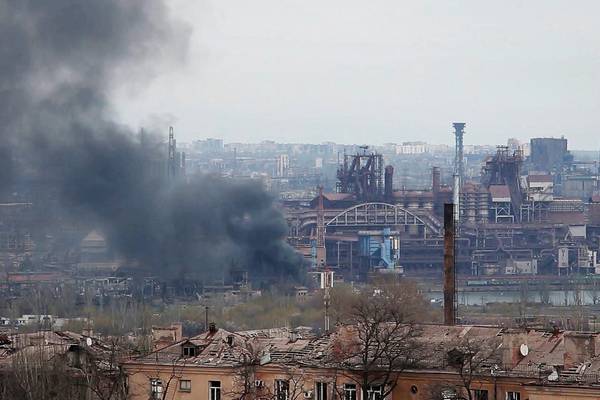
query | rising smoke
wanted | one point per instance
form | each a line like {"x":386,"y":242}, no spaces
{"x":59,"y":61}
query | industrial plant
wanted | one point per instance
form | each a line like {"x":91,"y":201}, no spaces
{"x":277,"y":201}
{"x":522,"y":209}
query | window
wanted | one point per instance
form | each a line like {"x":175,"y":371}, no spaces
{"x":321,"y":391}
{"x":156,"y":389}
{"x":374,"y":392}
{"x":189,"y":351}
{"x":449,"y":394}
{"x":185,"y":385}
{"x":282,"y":389}
{"x":480,"y":394}
{"x":214,"y":388}
{"x":513,"y":395}
{"x":349,"y":391}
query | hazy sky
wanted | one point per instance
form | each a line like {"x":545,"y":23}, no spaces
{"x":380,"y":71}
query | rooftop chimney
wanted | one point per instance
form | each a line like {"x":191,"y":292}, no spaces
{"x":212,"y":328}
{"x":580,"y":347}
{"x":514,"y":342}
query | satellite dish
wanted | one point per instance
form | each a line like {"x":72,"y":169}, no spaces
{"x":553,"y":377}
{"x":524,"y":350}
{"x":88,"y":341}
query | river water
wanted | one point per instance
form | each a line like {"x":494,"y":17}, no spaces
{"x":556,"y":297}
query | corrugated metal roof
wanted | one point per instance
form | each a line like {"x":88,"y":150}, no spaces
{"x":539,"y":178}
{"x":337,"y":196}
{"x":499,"y":192}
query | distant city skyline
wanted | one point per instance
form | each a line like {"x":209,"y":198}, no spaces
{"x":355,"y":72}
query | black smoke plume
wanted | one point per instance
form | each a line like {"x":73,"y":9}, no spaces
{"x":59,"y":61}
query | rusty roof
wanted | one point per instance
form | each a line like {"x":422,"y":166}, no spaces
{"x":499,"y":191}
{"x":412,"y":194}
{"x":334,"y":196}
{"x":539,"y":178}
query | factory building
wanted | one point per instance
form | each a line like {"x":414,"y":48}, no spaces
{"x":548,"y":154}
{"x":579,"y":186}
{"x":512,"y":219}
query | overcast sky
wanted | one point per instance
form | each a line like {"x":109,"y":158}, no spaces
{"x":380,"y":71}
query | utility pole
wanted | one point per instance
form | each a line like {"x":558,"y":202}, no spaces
{"x":326,"y":298}
{"x":326,"y":285}
{"x":206,"y":317}
{"x":351,"y":266}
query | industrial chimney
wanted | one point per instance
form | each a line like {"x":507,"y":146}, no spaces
{"x":449,"y":266}
{"x":389,"y":182}
{"x":459,"y":168}
{"x":436,"y":180}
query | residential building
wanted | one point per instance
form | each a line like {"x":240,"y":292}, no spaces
{"x":287,"y":365}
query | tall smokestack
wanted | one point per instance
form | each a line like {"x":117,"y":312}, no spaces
{"x":449,"y":266}
{"x":321,"y":250}
{"x":389,"y":182}
{"x":459,"y":168}
{"x":456,"y":197}
{"x":436,"y":181}
{"x":436,"y":185}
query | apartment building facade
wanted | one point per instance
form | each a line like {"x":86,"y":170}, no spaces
{"x":280,"y":364}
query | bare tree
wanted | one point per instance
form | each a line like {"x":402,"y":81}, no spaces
{"x":544,"y":290}
{"x":473,"y":360}
{"x":56,"y":371}
{"x":289,"y":386}
{"x":36,"y":373}
{"x":378,"y":342}
{"x":103,"y":376}
{"x":244,"y":381}
{"x":523,"y":298}
{"x":165,"y":382}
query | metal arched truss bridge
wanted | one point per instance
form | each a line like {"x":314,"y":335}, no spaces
{"x":383,"y":214}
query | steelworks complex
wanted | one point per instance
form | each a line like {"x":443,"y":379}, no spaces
{"x":523,"y":209}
